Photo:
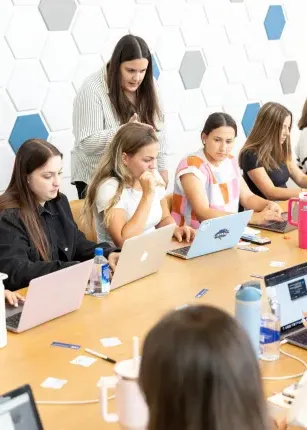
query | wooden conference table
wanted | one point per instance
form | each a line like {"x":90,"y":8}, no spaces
{"x":128,"y":311}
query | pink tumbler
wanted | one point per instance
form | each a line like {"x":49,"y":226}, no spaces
{"x":301,"y":223}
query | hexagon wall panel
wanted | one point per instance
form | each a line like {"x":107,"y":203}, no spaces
{"x":61,"y":95}
{"x":170,"y":49}
{"x":26,"y":34}
{"x":274,"y":22}
{"x":193,"y":24}
{"x":192,"y":69}
{"x":146,"y":24}
{"x":113,"y":17}
{"x":6,"y":12}
{"x":249,"y":117}
{"x":289,"y":77}
{"x":108,"y":47}
{"x":214,"y":85}
{"x":7,"y":115}
{"x":7,"y":62}
{"x":89,"y":30}
{"x":59,"y":57}
{"x":7,"y":163}
{"x":155,"y":67}
{"x":28,"y":85}
{"x":192,"y":110}
{"x":170,"y":12}
{"x":57,"y":14}
{"x":87,"y":65}
{"x":64,"y":141}
{"x":171,"y":90}
{"x":27,"y":127}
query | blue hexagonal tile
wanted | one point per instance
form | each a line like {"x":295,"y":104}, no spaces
{"x":249,"y":117}
{"x":27,"y":127}
{"x":274,"y":22}
{"x":155,"y":67}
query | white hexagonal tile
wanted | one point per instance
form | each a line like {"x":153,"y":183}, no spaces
{"x":293,"y":40}
{"x":91,"y":2}
{"x":7,"y":157}
{"x":254,"y":80}
{"x":64,"y":141}
{"x":217,"y":11}
{"x":271,"y":90}
{"x":235,"y":63}
{"x":192,"y":140}
{"x":235,"y":101}
{"x":214,"y":85}
{"x":87,"y":65}
{"x":113,"y":37}
{"x":173,"y":133}
{"x":193,"y":25}
{"x":240,"y":30}
{"x":58,"y":105}
{"x":7,"y":62}
{"x":89,"y":29}
{"x":26,"y":33}
{"x":171,"y":90}
{"x":192,"y":110}
{"x":146,"y":23}
{"x":113,"y":17}
{"x":170,"y":48}
{"x":6,"y":12}
{"x":8,"y":116}
{"x":26,"y":2}
{"x":296,"y":11}
{"x":60,"y":56}
{"x":170,"y":12}
{"x":216,"y":52}
{"x":28,"y":85}
{"x":256,"y":10}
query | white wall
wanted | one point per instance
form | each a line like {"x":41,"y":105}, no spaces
{"x":41,"y":69}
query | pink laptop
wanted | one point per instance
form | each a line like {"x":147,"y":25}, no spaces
{"x":49,"y":297}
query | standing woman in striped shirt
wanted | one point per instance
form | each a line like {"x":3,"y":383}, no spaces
{"x":123,"y":91}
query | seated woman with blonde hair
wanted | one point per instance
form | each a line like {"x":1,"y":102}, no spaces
{"x":127,"y":195}
{"x":266,"y":158}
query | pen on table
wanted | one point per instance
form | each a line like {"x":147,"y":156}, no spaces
{"x":257,"y":276}
{"x":97,"y":354}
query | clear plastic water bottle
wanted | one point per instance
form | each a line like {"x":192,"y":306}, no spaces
{"x":270,"y":333}
{"x":100,"y":276}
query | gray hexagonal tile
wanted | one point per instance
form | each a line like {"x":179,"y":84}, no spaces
{"x":118,"y":20}
{"x":192,"y":69}
{"x":289,"y":77}
{"x":57,"y":14}
{"x":60,"y":56}
{"x":7,"y":62}
{"x":62,"y":96}
{"x":26,"y":33}
{"x":28,"y":85}
{"x":89,"y":30}
{"x":8,"y":116}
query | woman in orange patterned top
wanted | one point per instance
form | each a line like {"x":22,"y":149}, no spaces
{"x":208,"y":183}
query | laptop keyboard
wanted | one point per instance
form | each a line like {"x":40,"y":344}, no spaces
{"x":13,"y":320}
{"x":278,"y":226}
{"x":182,"y":251}
{"x":300,"y":337}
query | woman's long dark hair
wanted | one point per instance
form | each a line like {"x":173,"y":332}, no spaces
{"x":32,"y":154}
{"x":303,"y":120}
{"x":199,"y":372}
{"x":130,"y":48}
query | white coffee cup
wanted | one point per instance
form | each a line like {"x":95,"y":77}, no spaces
{"x":132,"y":411}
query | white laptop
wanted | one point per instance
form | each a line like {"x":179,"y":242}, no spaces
{"x":289,"y":287}
{"x":142,"y":255}
{"x":49,"y":297}
{"x":214,"y":235}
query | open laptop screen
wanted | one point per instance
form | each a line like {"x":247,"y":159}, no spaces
{"x":289,"y":287}
{"x":18,"y":410}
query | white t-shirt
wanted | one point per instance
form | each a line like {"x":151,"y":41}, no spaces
{"x":301,"y":151}
{"x":129,"y":201}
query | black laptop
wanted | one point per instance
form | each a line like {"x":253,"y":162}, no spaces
{"x":18,"y":410}
{"x":289,"y":287}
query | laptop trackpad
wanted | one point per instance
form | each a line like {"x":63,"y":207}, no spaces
{"x":11,"y":310}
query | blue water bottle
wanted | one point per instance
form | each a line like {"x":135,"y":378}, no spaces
{"x":248,"y":311}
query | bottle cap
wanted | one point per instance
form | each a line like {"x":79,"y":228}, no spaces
{"x":98,"y":252}
{"x":249,"y":292}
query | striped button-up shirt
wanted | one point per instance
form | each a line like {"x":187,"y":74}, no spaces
{"x":95,"y":123}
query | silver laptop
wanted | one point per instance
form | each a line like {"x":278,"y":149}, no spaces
{"x":289,"y":287}
{"x":49,"y":297}
{"x":277,"y":226}
{"x":18,"y":410}
{"x":142,"y":255}
{"x":214,"y":235}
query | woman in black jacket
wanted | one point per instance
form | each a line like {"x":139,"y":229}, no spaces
{"x":37,"y":232}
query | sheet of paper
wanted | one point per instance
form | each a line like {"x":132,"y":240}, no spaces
{"x":83,"y":360}
{"x":277,"y":264}
{"x":108,"y":342}
{"x":249,"y":230}
{"x":54,"y":383}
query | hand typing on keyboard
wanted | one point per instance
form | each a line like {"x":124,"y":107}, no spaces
{"x":12,"y":297}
